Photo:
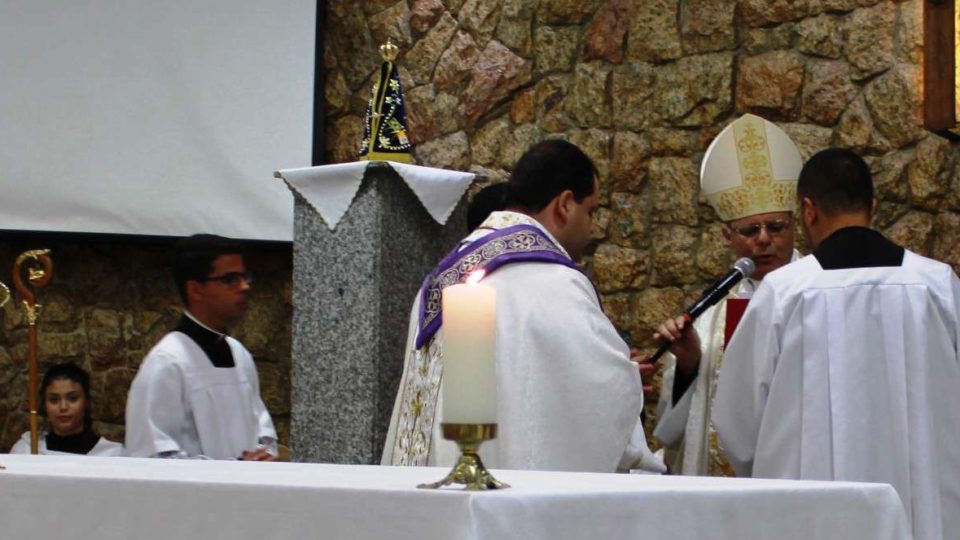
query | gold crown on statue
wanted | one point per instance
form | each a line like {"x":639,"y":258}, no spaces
{"x":750,"y":168}
{"x":389,"y":51}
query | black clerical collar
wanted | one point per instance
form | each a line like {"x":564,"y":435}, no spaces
{"x":78,"y":443}
{"x":857,"y":247}
{"x":214,"y":344}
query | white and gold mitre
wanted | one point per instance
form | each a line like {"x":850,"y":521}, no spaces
{"x":750,"y":168}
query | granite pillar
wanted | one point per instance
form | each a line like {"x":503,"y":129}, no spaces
{"x":352,"y":292}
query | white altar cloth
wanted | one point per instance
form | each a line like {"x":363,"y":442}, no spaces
{"x":330,"y":189}
{"x":127,"y":498}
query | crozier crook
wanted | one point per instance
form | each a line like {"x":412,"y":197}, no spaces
{"x":39,"y":269}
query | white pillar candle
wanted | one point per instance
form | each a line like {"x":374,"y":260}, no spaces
{"x":469,"y":383}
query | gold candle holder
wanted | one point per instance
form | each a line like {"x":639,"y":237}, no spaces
{"x":469,"y":470}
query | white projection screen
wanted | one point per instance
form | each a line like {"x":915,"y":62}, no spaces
{"x":154,"y":118}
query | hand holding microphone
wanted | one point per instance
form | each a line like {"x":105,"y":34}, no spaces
{"x":743,"y":268}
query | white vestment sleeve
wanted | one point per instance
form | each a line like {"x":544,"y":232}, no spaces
{"x":22,"y":446}
{"x":266,"y":433}
{"x":106,"y":448}
{"x":955,"y":286}
{"x":637,"y":457}
{"x":744,"y":380}
{"x":672,"y":418}
{"x":569,"y":398}
{"x":155,"y":408}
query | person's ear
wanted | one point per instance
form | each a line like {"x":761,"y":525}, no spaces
{"x":873,"y":208}
{"x":565,"y":203}
{"x":808,"y":211}
{"x":194,"y":291}
{"x":727,"y":232}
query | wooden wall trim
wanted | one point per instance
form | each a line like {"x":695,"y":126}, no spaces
{"x":939,"y":84}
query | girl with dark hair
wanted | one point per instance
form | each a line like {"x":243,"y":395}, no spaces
{"x":65,"y":394}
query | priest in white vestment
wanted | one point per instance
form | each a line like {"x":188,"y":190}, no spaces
{"x":845,"y":365}
{"x":569,"y":397}
{"x":755,"y":199}
{"x":197,"y":393}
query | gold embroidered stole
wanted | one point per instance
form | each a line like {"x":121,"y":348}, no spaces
{"x":420,"y":390}
{"x":717,"y":463}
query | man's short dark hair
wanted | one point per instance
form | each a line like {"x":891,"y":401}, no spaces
{"x":838,"y":181}
{"x":546,"y":170}
{"x":486,"y":201}
{"x":193,"y":258}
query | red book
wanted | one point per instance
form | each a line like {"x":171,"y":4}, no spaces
{"x":735,"y":309}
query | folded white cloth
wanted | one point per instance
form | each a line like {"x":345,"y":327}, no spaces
{"x":331,"y":188}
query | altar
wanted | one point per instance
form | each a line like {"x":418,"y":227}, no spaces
{"x":124,"y":498}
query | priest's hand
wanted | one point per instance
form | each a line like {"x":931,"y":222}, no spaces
{"x":686,"y":343}
{"x":260,"y":454}
{"x":647,"y":370}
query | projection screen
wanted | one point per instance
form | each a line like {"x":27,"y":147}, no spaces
{"x":154,"y":118}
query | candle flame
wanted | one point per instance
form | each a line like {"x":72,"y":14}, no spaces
{"x":476,"y":276}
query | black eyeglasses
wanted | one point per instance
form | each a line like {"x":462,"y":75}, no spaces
{"x":231,"y":279}
{"x":773,"y":228}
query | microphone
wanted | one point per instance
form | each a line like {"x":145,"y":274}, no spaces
{"x":743,"y":268}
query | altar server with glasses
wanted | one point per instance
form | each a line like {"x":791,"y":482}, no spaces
{"x":197,"y":394}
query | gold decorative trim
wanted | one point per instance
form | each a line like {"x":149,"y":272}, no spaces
{"x":760,"y":192}
{"x":33,"y":312}
{"x":387,"y":156}
{"x":462,"y":432}
{"x":418,"y":406}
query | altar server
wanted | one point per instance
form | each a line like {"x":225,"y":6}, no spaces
{"x":197,"y":393}
{"x":749,"y":176}
{"x":846,"y":364}
{"x":65,"y":398}
{"x":569,"y":398}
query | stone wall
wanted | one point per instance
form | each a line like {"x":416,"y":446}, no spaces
{"x":643,"y":86}
{"x":109,"y":301}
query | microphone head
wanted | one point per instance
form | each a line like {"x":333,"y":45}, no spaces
{"x":745,"y":266}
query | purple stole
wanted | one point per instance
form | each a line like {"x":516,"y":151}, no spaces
{"x":518,"y":243}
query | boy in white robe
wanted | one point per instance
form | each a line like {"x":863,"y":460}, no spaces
{"x":197,"y":393}
{"x":845,"y":365}
{"x":569,"y":398}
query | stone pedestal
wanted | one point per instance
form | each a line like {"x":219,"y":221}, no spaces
{"x":352,"y":293}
